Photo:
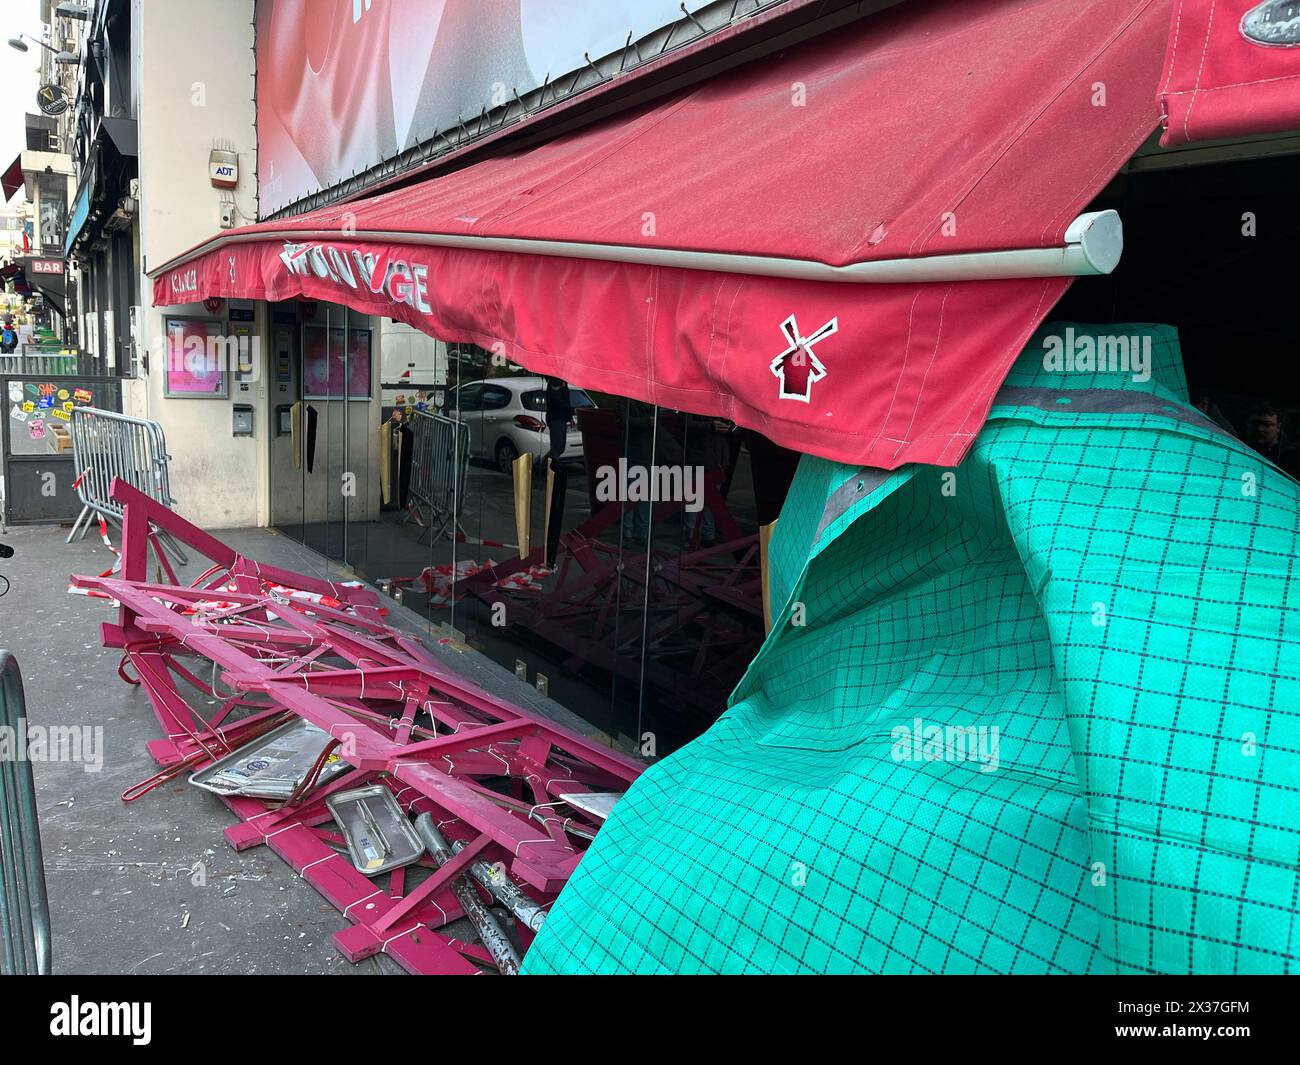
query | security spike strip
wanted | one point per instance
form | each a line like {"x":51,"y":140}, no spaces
{"x":267,"y":643}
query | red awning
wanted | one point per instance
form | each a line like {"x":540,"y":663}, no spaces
{"x":1232,"y":68}
{"x":707,"y":252}
{"x":12,"y":179}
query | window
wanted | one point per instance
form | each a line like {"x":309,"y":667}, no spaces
{"x":495,"y":397}
{"x":537,"y":400}
{"x":466,"y":399}
{"x":195,"y":366}
{"x":329,"y":370}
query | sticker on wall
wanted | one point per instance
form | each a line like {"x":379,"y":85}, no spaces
{"x":36,"y":429}
{"x":28,"y":406}
{"x":63,"y":393}
{"x":15,"y":391}
{"x":82,"y":395}
{"x":18,"y":414}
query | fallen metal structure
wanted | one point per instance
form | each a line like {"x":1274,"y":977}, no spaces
{"x":703,"y":616}
{"x":703,"y":606}
{"x":262,"y":645}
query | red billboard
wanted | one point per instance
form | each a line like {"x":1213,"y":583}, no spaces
{"x":345,"y":84}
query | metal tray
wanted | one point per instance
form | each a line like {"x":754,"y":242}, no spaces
{"x":272,"y":766}
{"x":378,"y":834}
{"x":600,"y":804}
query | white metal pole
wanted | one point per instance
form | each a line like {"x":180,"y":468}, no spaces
{"x":1093,"y":245}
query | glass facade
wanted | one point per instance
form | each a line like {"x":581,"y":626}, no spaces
{"x":621,"y":575}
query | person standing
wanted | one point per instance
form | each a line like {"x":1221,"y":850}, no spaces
{"x":559,"y":411}
{"x":1265,"y":434}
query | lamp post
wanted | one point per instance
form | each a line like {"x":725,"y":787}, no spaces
{"x":19,"y":44}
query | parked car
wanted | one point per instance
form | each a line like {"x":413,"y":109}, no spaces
{"x":507,"y":418}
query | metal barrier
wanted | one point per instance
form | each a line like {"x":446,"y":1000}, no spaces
{"x":45,"y":364}
{"x":108,"y":445}
{"x":439,"y":464}
{"x":24,"y":907}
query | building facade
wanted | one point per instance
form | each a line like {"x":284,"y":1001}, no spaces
{"x":247,"y":128}
{"x":752,"y":276}
{"x":302,"y":429}
{"x":35,"y":227}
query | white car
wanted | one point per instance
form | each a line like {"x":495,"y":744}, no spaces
{"x":507,"y":418}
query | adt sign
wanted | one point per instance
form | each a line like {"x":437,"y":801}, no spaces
{"x":223,"y":168}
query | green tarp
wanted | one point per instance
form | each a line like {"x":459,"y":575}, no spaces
{"x":1037,"y":713}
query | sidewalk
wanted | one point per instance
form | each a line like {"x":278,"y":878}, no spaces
{"x":120,"y":875}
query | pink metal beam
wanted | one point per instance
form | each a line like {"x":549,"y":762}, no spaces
{"x":268,"y":632}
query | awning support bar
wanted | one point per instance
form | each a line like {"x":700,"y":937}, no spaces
{"x":1093,"y":245}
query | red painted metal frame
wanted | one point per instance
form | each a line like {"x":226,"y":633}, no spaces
{"x":489,"y":772}
{"x":705,"y":604}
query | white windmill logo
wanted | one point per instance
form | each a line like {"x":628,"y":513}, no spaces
{"x":798,"y":368}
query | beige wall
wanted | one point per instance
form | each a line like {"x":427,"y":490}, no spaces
{"x":196,"y":64}
{"x":196,"y":87}
{"x":196,"y":70}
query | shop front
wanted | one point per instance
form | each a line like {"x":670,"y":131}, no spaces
{"x":623,"y":581}
{"x":702,"y":438}
{"x":705,"y":337}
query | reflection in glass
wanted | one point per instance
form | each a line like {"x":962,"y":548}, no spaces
{"x":601,"y":549}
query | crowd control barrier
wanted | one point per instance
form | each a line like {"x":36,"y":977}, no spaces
{"x":439,"y":463}
{"x":107,"y":445}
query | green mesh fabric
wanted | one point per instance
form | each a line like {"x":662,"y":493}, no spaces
{"x":1107,"y":579}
